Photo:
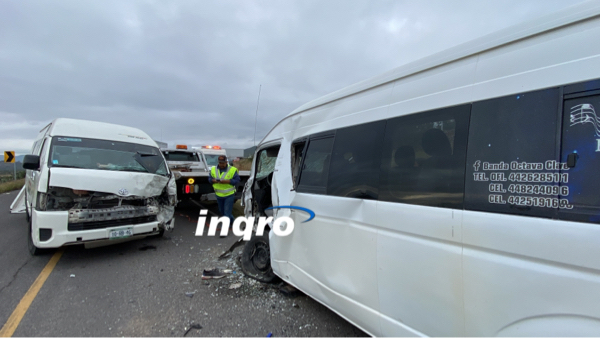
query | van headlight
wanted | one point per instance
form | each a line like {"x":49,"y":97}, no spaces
{"x":42,"y":201}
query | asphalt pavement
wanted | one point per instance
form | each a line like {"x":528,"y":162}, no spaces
{"x":150,"y":287}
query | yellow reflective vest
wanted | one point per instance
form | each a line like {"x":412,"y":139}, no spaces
{"x":223,"y":189}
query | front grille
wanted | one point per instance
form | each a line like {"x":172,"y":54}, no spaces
{"x":110,"y":223}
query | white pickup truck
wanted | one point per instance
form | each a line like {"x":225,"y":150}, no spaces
{"x":192,"y":169}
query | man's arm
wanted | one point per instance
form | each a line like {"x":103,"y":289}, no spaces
{"x":210,"y":179}
{"x":234,"y":180}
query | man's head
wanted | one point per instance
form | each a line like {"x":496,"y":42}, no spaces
{"x":222,"y":162}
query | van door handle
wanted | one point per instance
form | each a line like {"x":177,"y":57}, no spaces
{"x":572,"y":160}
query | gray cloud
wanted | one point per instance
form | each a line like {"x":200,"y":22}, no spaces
{"x":189,"y":71}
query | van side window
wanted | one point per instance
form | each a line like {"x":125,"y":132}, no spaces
{"x":580,"y":155}
{"x":355,"y":161}
{"x":315,"y":168}
{"x":423,"y":158}
{"x":512,"y":140}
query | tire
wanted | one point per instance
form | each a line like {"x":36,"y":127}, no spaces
{"x":256,"y":260}
{"x":33,"y":250}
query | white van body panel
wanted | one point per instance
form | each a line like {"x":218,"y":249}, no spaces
{"x":99,"y":130}
{"x":544,"y":263}
{"x":396,"y":269}
{"x":136,"y":184}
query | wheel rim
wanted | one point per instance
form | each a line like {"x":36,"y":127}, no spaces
{"x":261,"y":259}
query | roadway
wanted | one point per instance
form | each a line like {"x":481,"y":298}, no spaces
{"x":148,"y":287}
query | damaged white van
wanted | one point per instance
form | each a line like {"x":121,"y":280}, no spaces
{"x":454,"y":196}
{"x":95,"y":183}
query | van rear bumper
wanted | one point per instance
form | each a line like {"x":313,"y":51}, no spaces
{"x":57,"y":222}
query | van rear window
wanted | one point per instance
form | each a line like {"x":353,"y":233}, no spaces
{"x":181,"y":156}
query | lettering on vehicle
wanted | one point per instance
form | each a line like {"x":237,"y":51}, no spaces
{"x":585,"y":113}
{"x":509,"y":181}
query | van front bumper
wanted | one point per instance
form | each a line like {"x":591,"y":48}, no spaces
{"x":58,"y":224}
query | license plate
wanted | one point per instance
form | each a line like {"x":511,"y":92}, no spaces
{"x":120,"y":233}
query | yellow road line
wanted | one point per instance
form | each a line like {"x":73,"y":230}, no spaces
{"x":15,"y":318}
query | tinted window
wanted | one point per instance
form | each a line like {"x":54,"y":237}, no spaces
{"x":581,"y":142}
{"x":171,"y":155}
{"x":355,"y":161}
{"x":297,"y":155}
{"x":315,"y":168}
{"x":512,"y":143}
{"x":424,"y":158}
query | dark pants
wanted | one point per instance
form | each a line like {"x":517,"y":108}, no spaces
{"x":226,"y":207}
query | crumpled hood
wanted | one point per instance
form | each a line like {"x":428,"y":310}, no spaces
{"x":113,"y":182}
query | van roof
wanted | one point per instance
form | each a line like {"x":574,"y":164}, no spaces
{"x":98,"y":130}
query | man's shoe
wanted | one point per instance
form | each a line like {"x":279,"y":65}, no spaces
{"x":212,"y":274}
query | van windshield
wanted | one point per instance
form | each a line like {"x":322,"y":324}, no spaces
{"x":212,"y":160}
{"x":75,"y":152}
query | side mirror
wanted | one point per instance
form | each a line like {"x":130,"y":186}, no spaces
{"x":31,"y":162}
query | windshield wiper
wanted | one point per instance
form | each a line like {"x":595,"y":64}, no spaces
{"x":146,"y":154}
{"x":66,"y":166}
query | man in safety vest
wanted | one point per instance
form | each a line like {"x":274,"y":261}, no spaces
{"x":224,"y":179}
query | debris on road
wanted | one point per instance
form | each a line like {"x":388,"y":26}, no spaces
{"x":192,"y":326}
{"x":235,"y":286}
{"x":289,"y":291}
{"x":190,"y":294}
{"x":72,"y":276}
{"x":235,"y":244}
{"x":212,"y":274}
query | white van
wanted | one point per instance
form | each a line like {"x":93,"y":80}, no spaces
{"x":95,"y":183}
{"x":454,"y":196}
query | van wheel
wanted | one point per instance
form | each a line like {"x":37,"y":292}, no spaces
{"x":256,"y":260}
{"x":33,"y":250}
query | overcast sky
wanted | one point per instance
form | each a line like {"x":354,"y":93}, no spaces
{"x":188,"y":72}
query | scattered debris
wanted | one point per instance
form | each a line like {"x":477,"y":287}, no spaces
{"x":192,"y":326}
{"x":296,"y":305}
{"x":147,"y":247}
{"x":269,"y":335}
{"x":227,"y":271}
{"x":235,"y":286}
{"x":289,"y":291}
{"x":190,"y":294}
{"x":235,"y":244}
{"x":212,"y":274}
{"x":72,"y":276}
